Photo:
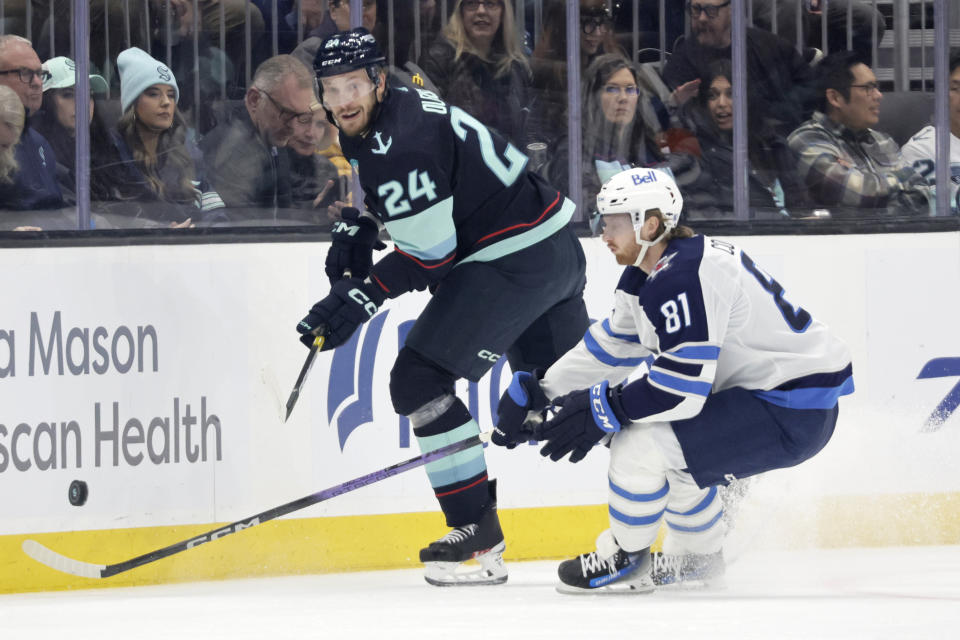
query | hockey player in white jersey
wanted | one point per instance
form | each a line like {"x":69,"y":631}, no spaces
{"x":921,"y":149}
{"x":742,"y":381}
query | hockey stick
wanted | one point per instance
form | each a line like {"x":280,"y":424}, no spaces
{"x":82,"y":569}
{"x":305,"y":369}
{"x":295,"y":394}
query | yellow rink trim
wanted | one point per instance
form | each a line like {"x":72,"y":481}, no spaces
{"x":356,"y":543}
{"x":288,"y":546}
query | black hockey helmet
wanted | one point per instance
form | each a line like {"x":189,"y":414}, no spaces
{"x":347,"y":51}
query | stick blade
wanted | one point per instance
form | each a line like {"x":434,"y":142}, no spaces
{"x":61,"y":563}
{"x":291,"y":403}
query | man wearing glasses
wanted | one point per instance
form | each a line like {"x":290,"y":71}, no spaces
{"x":779,"y":81}
{"x":242,"y":156}
{"x":849,"y":167}
{"x":35,"y":183}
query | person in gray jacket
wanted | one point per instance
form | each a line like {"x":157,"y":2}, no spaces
{"x":244,"y":163}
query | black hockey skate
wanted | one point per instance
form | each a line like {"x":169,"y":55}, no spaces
{"x":444,"y":560}
{"x":689,"y":571}
{"x":610,"y":569}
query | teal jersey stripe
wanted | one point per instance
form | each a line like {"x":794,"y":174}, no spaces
{"x":428,"y":235}
{"x":527,"y":238}
{"x":463,"y":470}
{"x":459,"y":466}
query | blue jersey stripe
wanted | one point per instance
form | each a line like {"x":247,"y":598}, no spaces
{"x":641,"y":497}
{"x":600,"y":354}
{"x":809,"y":397}
{"x":679,"y":384}
{"x":635,"y":521}
{"x":626,"y":337}
{"x":707,"y":500}
{"x":702,"y":527}
{"x":701,"y":352}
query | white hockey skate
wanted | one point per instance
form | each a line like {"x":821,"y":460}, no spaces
{"x":608,"y":570}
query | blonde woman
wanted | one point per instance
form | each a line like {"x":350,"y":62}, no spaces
{"x":478,"y":64}
{"x":11,"y":126}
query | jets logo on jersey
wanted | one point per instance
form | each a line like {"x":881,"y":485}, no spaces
{"x":662,"y":265}
{"x":382,"y":151}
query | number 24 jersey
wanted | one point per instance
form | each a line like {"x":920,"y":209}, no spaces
{"x":448,"y":190}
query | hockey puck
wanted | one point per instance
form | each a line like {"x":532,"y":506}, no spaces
{"x":77,"y":495}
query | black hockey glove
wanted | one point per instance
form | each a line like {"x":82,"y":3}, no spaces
{"x":354,"y":238}
{"x":584,"y":418}
{"x":522,"y":396}
{"x":351,"y":303}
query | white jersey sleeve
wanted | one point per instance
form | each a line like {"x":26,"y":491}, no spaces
{"x":610,"y":350}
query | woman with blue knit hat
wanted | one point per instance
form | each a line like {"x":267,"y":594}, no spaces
{"x":160,"y":165}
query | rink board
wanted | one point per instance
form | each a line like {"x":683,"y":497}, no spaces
{"x":157,"y":375}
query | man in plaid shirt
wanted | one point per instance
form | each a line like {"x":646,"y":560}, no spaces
{"x":847,"y":166}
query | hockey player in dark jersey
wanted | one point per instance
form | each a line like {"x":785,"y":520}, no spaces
{"x":488,"y":238}
{"x":738,"y":381}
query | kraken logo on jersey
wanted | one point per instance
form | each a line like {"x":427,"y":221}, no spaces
{"x":382,"y":151}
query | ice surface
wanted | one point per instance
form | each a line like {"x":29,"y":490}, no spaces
{"x":897,"y":593}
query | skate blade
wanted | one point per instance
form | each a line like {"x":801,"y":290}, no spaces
{"x":615,"y":589}
{"x":487,"y":569}
{"x":696,"y":584}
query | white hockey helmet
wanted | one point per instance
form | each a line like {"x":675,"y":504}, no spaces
{"x":637,"y":191}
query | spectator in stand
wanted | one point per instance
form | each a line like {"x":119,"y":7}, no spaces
{"x":863,"y":16}
{"x":244,"y":164}
{"x":779,"y":81}
{"x":338,"y":18}
{"x":34,"y":184}
{"x":314,"y":178}
{"x":335,"y":19}
{"x":848,"y":167}
{"x":212,"y":66}
{"x":159,"y":167}
{"x":550,"y":55}
{"x":478,"y":65}
{"x":618,"y":131}
{"x":921,"y":149}
{"x":772,"y":169}
{"x":11,"y":126}
{"x":430,"y":21}
{"x":118,"y":24}
{"x":56,"y":121}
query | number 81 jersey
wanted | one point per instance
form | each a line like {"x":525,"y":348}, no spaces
{"x":448,"y":190}
{"x":707,"y":318}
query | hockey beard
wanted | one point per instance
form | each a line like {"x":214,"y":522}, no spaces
{"x":356,"y":125}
